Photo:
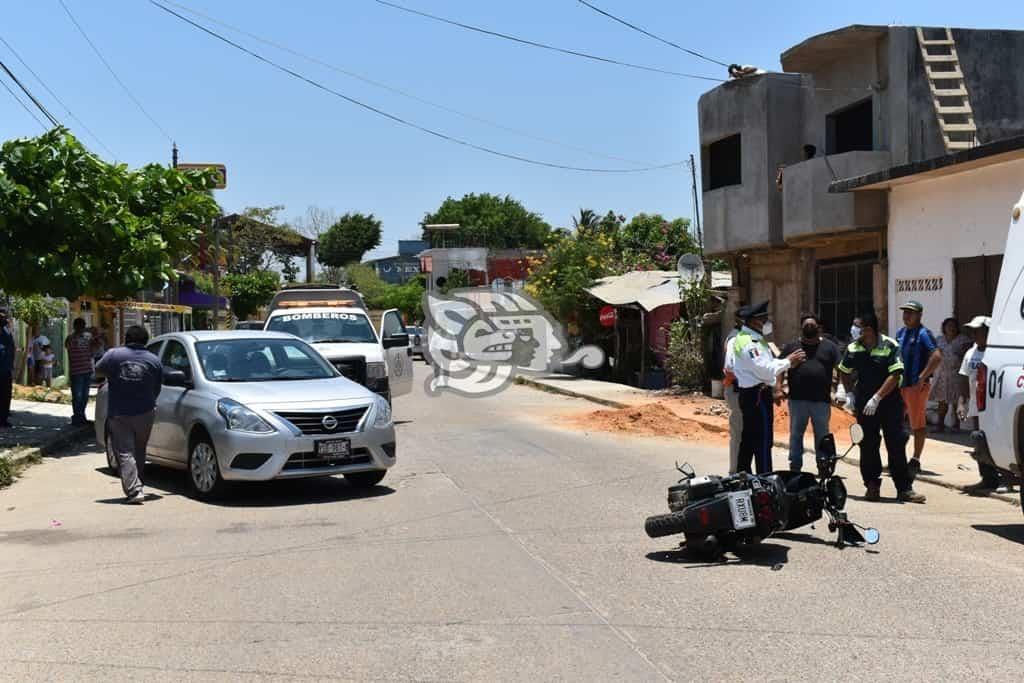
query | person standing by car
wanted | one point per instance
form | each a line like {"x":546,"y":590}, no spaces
{"x":134,"y":379}
{"x":945,"y":389}
{"x":757,"y":371}
{"x":967,"y":403}
{"x":875,"y":358}
{"x":7,"y":353}
{"x":79,"y":345}
{"x":921,"y":359}
{"x":810,"y":387}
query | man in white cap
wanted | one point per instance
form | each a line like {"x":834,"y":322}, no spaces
{"x":967,"y":404}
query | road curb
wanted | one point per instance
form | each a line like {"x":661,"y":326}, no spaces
{"x":62,"y":441}
{"x":526,"y":381}
{"x":935,"y":481}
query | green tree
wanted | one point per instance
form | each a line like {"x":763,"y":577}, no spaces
{"x":487,"y":220}
{"x":348,"y":239}
{"x":72,"y":224}
{"x":364,"y":279}
{"x":570,"y":265}
{"x":649,"y":242}
{"x":251,"y":290}
{"x":586,"y":220}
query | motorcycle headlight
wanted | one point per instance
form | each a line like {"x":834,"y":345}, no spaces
{"x":376,"y":371}
{"x":381,"y":412}
{"x":242,"y":419}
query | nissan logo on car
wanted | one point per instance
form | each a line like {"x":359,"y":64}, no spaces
{"x":329,"y":422}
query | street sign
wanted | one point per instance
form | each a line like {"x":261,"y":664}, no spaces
{"x":220,"y":168}
{"x":607,"y":316}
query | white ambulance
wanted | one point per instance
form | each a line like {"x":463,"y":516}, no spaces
{"x":1000,"y":392}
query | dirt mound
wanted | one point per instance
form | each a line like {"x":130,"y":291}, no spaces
{"x":654,"y":419}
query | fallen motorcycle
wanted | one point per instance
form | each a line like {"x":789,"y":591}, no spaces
{"x":718,"y":514}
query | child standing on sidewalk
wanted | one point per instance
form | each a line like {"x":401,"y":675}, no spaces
{"x":46,"y":370}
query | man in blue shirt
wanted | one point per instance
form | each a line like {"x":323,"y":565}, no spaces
{"x":7,"y":353}
{"x":921,"y":358}
{"x":134,"y":379}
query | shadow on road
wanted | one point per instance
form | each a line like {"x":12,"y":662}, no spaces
{"x":1010,"y":532}
{"x":313,"y":491}
{"x":770,"y":555}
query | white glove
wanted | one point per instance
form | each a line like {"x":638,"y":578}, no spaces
{"x":850,"y":405}
{"x":872,"y":405}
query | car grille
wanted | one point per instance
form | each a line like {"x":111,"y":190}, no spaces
{"x":309,"y":460}
{"x":313,"y":423}
{"x":352,"y":368}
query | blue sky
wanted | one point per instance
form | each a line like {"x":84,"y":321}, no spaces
{"x":285,"y":142}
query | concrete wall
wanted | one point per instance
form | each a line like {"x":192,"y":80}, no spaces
{"x":778,"y":276}
{"x":809,"y":208}
{"x":991,"y":62}
{"x":749,"y":215}
{"x":931,"y":222}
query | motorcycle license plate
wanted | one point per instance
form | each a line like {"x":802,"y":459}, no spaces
{"x":742,"y":507}
{"x":331,"y":449}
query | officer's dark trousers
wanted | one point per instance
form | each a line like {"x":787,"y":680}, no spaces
{"x":758,"y":420}
{"x":889,"y":421}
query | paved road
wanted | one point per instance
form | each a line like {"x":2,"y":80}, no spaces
{"x":502,"y":547}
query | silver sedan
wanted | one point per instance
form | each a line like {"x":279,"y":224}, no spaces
{"x":254,"y":406}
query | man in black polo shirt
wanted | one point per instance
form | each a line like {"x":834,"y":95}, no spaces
{"x":876,"y":360}
{"x":810,"y":387}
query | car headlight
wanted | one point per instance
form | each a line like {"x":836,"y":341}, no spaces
{"x":376,"y":371}
{"x":381,"y":412}
{"x":242,"y":419}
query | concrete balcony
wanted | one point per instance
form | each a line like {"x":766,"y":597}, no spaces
{"x":808,"y":209}
{"x":738,"y":217}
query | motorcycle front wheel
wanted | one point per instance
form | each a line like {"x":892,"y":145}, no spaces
{"x":657,"y":526}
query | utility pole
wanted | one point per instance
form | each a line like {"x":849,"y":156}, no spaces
{"x":696,"y":206}
{"x":216,"y":274}
{"x":174,"y":155}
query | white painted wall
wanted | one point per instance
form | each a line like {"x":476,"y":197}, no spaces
{"x":931,"y":222}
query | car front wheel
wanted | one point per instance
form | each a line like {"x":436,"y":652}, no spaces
{"x":365,"y":480}
{"x":204,"y":471}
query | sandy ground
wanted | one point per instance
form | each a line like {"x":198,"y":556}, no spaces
{"x":691,"y":417}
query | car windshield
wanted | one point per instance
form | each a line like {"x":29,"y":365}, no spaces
{"x":325,"y":327}
{"x":261,"y":360}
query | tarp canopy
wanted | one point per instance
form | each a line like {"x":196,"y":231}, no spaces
{"x":649,"y":289}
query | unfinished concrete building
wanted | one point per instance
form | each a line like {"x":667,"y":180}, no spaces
{"x":850,"y":102}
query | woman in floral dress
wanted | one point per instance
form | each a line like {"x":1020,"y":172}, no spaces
{"x":953,"y":345}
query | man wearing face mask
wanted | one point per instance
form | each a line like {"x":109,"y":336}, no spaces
{"x":810,"y":387}
{"x":757,"y":371}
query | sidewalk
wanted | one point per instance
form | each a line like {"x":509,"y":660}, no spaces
{"x":38,"y":429}
{"x":946,"y":460}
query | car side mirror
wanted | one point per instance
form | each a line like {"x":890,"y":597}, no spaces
{"x":395,"y":341}
{"x":177,"y":378}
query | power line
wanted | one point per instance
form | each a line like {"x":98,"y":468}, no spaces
{"x":23,"y":105}
{"x":397,"y":119}
{"x":114,"y":73}
{"x":398,"y":91}
{"x":30,"y":96}
{"x":54,"y":96}
{"x":544,"y":46}
{"x":651,"y":35}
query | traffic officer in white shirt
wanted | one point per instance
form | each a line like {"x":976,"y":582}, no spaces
{"x":757,"y":370}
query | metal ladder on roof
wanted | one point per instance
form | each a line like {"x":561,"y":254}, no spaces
{"x":949,"y":90}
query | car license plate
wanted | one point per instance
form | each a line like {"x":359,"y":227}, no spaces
{"x":332,"y":449}
{"x":742,"y":507}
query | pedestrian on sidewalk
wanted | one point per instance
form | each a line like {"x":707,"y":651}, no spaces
{"x":967,"y":403}
{"x":134,"y":379}
{"x":8,"y":351}
{"x":945,"y":389}
{"x":757,"y":371}
{"x":35,"y":356}
{"x":810,"y":388}
{"x":921,"y":358}
{"x":732,"y":398}
{"x":80,"y":346}
{"x":875,"y":358}
{"x":46,"y":363}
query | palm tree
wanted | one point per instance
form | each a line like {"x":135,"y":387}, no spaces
{"x":587,"y":220}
